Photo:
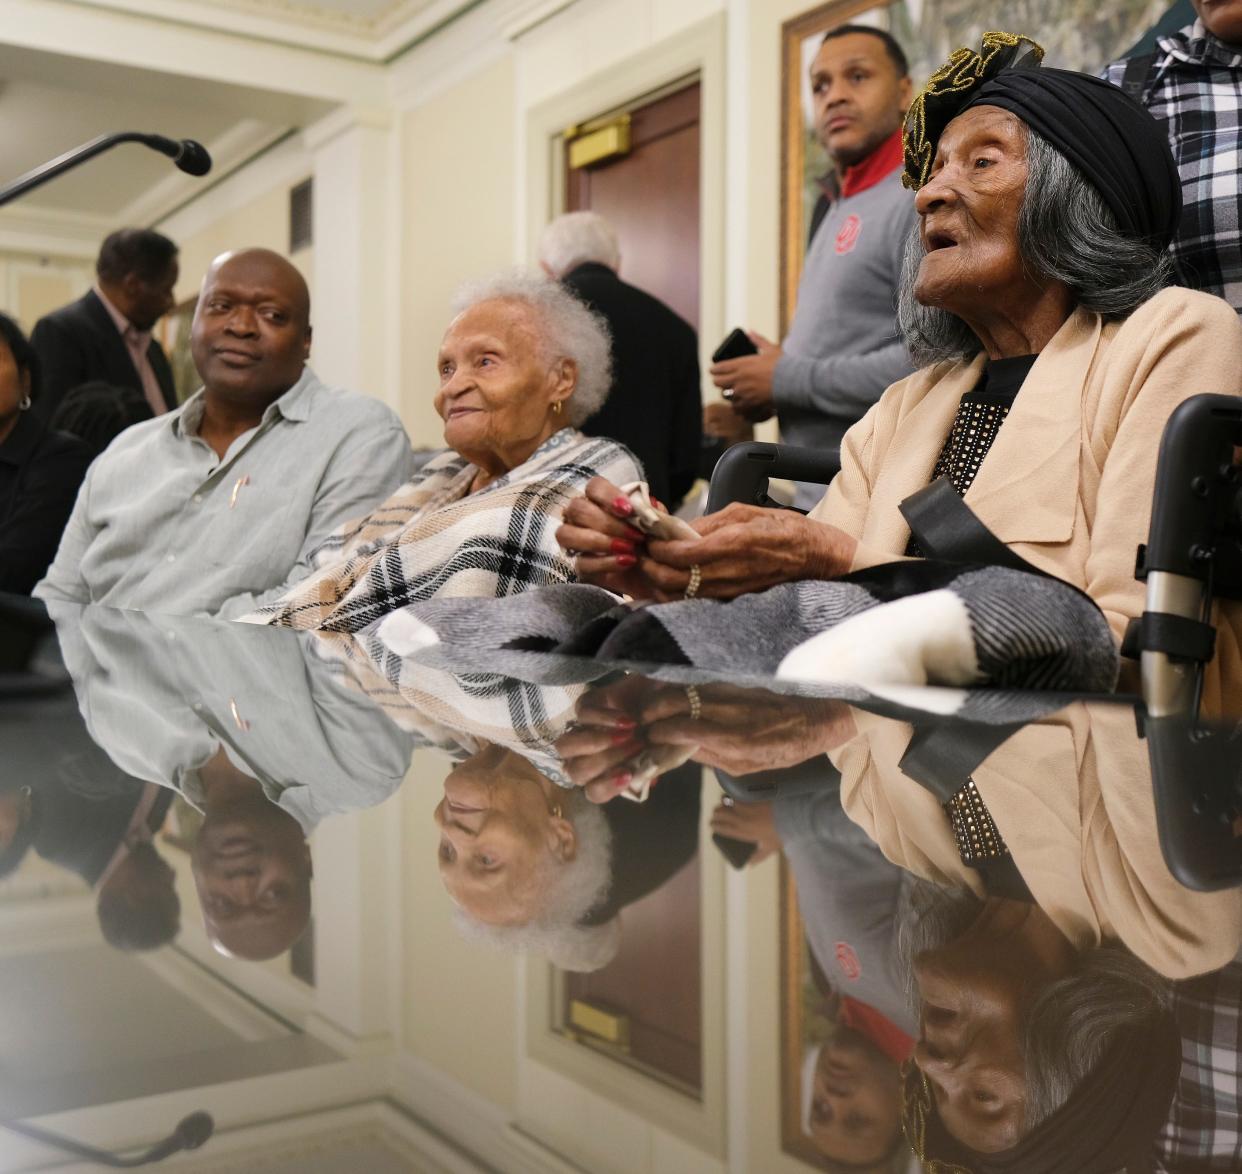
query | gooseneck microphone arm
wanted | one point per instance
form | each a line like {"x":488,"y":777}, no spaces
{"x":188,"y":155}
{"x":191,"y":1132}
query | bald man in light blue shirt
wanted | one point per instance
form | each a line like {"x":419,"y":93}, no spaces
{"x":217,"y":507}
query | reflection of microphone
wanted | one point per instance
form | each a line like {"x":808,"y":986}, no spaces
{"x":191,"y":1132}
{"x":190,"y":156}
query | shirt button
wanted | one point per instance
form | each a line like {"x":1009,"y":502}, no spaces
{"x":198,"y":497}
{"x":172,"y":558}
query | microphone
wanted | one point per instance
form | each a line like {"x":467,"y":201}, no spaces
{"x":191,"y":1133}
{"x":188,"y":155}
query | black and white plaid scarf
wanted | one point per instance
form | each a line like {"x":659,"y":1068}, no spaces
{"x":434,"y":538}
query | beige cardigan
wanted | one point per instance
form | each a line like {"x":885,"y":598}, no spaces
{"x":1072,"y":799}
{"x":1068,"y":482}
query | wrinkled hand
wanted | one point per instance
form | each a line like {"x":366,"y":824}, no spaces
{"x":750,"y":378}
{"x":721,"y":422}
{"x":744,"y":549}
{"x":750,"y":822}
{"x":739,"y":731}
{"x":608,"y":549}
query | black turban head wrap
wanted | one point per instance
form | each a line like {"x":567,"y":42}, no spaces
{"x":1112,"y":140}
{"x":1109,"y":1123}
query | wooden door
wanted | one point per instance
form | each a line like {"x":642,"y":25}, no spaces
{"x":651,"y":197}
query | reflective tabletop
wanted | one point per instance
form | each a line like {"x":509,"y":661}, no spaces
{"x":451,"y":898}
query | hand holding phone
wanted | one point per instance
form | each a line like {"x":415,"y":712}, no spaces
{"x":735,"y":346}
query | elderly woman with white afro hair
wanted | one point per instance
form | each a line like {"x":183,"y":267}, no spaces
{"x":521,"y":365}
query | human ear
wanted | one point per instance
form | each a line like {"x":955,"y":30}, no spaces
{"x":562,"y":839}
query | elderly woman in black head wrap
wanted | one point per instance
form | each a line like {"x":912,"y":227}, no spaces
{"x":1052,"y":357}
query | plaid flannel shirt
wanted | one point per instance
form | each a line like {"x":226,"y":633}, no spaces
{"x":1204,"y":1129}
{"x":1194,"y":86}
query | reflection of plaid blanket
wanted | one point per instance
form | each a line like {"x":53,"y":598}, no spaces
{"x":434,"y":537}
{"x":457,"y":711}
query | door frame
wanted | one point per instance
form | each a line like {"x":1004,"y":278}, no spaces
{"x":696,"y":53}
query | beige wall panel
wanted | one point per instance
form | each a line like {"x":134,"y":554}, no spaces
{"x":460,"y":997}
{"x":458,"y":221}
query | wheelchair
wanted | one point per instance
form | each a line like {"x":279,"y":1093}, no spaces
{"x":1193,"y":555}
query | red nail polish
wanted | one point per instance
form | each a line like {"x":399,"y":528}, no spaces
{"x":625,"y":723}
{"x":623,"y":506}
{"x":622,"y":546}
{"x":621,"y":737}
{"x":655,"y":501}
{"x":625,"y":561}
{"x":622,"y":779}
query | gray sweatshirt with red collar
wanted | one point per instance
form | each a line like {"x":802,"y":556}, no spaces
{"x":843,"y":348}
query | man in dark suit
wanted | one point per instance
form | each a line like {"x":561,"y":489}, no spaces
{"x":106,"y":334}
{"x":655,"y":406}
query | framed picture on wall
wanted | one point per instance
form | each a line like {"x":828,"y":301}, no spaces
{"x":175,"y":339}
{"x":928,"y":31}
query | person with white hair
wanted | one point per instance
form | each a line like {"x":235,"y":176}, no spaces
{"x":655,"y":407}
{"x":522,"y":365}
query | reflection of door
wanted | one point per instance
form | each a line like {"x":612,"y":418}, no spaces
{"x":654,"y":984}
{"x":651,"y":197}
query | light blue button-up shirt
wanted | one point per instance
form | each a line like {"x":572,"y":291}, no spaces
{"x":163,"y":524}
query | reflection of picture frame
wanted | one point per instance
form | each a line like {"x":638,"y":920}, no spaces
{"x":803,"y":1022}
{"x":181,"y":825}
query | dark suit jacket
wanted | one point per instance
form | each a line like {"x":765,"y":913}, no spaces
{"x":40,"y":473}
{"x":80,"y":342}
{"x":655,"y":408}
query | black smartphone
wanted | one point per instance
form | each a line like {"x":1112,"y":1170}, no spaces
{"x":736,"y":852}
{"x":734,"y":347}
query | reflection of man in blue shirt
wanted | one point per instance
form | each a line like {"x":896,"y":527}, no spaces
{"x":254,"y":729}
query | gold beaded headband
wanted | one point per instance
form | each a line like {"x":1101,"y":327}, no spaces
{"x":947,"y":91}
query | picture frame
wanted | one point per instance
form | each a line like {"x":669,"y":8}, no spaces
{"x":803,"y":160}
{"x":805,"y":1023}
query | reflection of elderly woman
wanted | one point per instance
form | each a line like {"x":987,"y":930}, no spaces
{"x":1052,"y":355}
{"x":521,"y":364}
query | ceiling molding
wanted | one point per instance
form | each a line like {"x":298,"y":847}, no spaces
{"x":279,"y":22}
{"x":529,"y":14}
{"x":52,"y":232}
{"x":285,"y":163}
{"x":229,"y":152}
{"x":148,"y":35}
{"x":339,"y":122}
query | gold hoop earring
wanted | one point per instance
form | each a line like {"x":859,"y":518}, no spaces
{"x":556,"y":811}
{"x":556,"y":407}
{"x":25,"y":403}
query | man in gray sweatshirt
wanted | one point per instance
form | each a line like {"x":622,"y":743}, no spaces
{"x":843,"y":348}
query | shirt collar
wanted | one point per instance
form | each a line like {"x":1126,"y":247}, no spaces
{"x":295,"y":404}
{"x":124,"y":326}
{"x":1194,"y":45}
{"x":881,"y":163}
{"x":21,"y":442}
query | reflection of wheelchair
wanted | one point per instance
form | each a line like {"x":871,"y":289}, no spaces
{"x":1193,"y":554}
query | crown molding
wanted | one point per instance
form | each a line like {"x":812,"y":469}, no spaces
{"x":529,"y":13}
{"x":322,"y":31}
{"x":52,"y":232}
{"x":229,"y":151}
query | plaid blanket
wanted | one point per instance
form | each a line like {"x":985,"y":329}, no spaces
{"x":433,"y":537}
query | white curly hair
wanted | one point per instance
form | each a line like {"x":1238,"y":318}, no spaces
{"x":568,"y":892}
{"x":567,"y":330}
{"x":575,"y":238}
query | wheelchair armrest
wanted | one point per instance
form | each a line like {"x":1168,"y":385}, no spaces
{"x":743,"y":472}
